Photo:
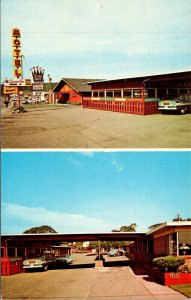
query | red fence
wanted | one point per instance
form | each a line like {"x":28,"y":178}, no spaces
{"x":11,"y":266}
{"x":137,"y":107}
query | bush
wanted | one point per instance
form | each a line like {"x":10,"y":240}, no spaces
{"x":169,"y":263}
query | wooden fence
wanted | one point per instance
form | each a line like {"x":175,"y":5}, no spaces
{"x":138,"y":106}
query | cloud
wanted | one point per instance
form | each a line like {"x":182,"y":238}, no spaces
{"x":60,"y":221}
{"x":117,"y":165}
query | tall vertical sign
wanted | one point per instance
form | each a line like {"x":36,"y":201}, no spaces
{"x":17,"y":57}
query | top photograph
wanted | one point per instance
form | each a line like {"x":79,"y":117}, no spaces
{"x":100,"y":74}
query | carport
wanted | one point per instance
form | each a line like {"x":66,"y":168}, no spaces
{"x":19,"y":245}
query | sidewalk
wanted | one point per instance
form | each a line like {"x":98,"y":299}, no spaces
{"x":157,"y":290}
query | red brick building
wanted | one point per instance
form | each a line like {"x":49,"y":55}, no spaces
{"x":172,"y":238}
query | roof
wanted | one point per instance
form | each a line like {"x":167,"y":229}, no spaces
{"x":169,"y":224}
{"x":145,"y":77}
{"x":76,"y":236}
{"x":76,"y":84}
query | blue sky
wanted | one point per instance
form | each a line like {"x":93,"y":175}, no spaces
{"x":98,"y":38}
{"x":93,"y":191}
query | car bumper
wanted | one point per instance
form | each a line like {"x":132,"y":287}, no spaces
{"x":33,"y":266}
{"x":167,"y":108}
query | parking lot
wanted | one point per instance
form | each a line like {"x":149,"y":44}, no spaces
{"x":74,"y":127}
{"x":77,"y":283}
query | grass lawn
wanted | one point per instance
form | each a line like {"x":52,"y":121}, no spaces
{"x":41,"y":105}
{"x":183,"y":289}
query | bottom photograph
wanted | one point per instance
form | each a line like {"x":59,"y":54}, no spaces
{"x":96,"y":225}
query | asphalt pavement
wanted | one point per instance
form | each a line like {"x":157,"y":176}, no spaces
{"x":112,"y":282}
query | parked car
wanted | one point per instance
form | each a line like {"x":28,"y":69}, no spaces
{"x":44,"y":262}
{"x":113,"y":252}
{"x":13,"y":97}
{"x":64,"y":260}
{"x":182,"y":104}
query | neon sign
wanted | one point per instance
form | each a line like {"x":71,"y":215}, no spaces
{"x":17,"y":57}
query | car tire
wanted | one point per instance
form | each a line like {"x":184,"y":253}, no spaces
{"x":183,"y":111}
{"x":45,"y":268}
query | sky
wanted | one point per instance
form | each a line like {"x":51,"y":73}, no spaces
{"x":97,"y":39}
{"x":75,"y":192}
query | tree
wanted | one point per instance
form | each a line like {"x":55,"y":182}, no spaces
{"x":40,"y":229}
{"x":131,"y":227}
{"x":125,"y":228}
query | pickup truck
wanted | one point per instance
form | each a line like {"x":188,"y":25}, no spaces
{"x":44,"y":262}
{"x":182,"y":104}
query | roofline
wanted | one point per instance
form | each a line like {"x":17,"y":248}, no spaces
{"x":80,"y":234}
{"x":169,"y":224}
{"x":72,"y":78}
{"x":138,"y":76}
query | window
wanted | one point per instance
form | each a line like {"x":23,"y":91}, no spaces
{"x":151,"y":93}
{"x":101,"y":93}
{"x":95,"y":93}
{"x":184,"y":241}
{"x":127,"y":93}
{"x":109,"y":93}
{"x":137,"y":93}
{"x":117,"y":93}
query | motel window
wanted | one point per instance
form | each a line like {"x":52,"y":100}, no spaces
{"x":95,"y":93}
{"x":172,"y":93}
{"x":117,"y":93}
{"x":127,"y":93}
{"x":151,"y":93}
{"x":183,"y":91}
{"x":11,"y":252}
{"x":137,"y":93}
{"x":101,"y":93}
{"x":184,"y":243}
{"x":109,"y":93}
{"x":2,"y":252}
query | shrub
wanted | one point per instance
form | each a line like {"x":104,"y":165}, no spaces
{"x":168,"y":263}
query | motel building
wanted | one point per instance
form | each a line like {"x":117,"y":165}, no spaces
{"x":70,"y":90}
{"x":169,"y":238}
{"x":137,"y":95}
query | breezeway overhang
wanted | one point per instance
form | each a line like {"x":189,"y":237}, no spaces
{"x":72,"y":237}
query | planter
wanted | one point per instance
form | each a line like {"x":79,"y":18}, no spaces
{"x":176,"y":278}
{"x":168,"y":278}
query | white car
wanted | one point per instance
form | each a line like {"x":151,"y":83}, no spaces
{"x":43,"y":262}
{"x":182,"y":104}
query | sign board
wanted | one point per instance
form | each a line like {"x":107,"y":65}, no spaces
{"x":17,"y":56}
{"x":37,"y":87}
{"x":10,"y":90}
{"x":37,"y":74}
{"x":17,"y":82}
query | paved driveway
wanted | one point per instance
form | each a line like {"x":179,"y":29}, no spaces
{"x":86,"y":283}
{"x":75,"y":127}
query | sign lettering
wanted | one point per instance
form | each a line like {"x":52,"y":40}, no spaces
{"x":17,"y":61}
{"x":10,"y":90}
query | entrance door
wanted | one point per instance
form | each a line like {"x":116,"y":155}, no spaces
{"x":63,"y":98}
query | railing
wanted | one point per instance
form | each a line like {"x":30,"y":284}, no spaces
{"x":11,"y":266}
{"x":131,"y":106}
